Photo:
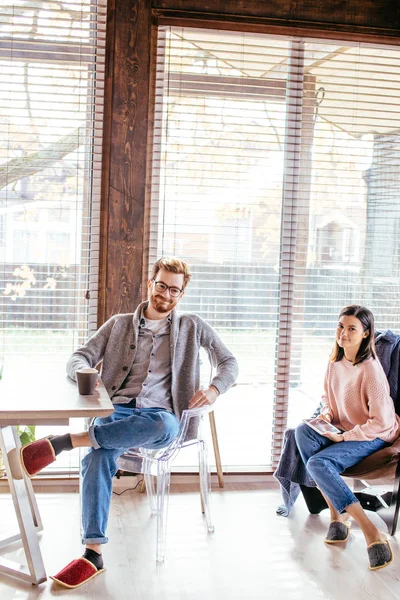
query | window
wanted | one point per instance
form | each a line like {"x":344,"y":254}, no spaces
{"x":51,"y":99}
{"x":275,"y":175}
{"x":51,"y":96}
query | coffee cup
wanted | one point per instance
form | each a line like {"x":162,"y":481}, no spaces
{"x":87,"y":379}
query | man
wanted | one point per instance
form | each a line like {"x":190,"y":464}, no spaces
{"x":150,"y":367}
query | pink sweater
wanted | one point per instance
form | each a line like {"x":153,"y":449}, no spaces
{"x":357,"y":400}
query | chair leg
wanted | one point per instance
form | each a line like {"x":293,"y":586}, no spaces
{"x":217,"y":455}
{"x":205,"y":483}
{"x":148,"y":485}
{"x":314,"y":499}
{"x":163,"y":484}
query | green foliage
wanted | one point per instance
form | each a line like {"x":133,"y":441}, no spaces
{"x":26,"y":433}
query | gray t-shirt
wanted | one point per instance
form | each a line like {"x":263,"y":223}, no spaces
{"x":149,"y":380}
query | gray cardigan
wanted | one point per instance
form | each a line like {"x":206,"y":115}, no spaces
{"x":115,"y":345}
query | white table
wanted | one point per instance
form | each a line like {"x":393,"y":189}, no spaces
{"x":36,"y":395}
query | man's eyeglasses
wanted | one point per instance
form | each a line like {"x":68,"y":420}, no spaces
{"x":162,"y":287}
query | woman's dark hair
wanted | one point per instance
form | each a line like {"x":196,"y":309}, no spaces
{"x":367,"y":347}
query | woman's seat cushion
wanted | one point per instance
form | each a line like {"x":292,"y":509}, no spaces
{"x":378,"y":466}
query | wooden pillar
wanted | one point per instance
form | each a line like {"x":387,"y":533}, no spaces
{"x":124,"y":156}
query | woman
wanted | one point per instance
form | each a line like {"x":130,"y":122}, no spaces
{"x":356,"y":400}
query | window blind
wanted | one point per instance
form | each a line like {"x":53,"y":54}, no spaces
{"x":275,"y":169}
{"x":347,"y":249}
{"x":52,"y":57}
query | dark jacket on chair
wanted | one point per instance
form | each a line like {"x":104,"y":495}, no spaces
{"x":388,"y":351}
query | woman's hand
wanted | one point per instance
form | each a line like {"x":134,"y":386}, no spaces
{"x":326,"y":418}
{"x":334,"y":437}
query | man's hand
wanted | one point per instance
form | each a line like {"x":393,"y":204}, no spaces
{"x":204,"y":397}
{"x":335,"y":437}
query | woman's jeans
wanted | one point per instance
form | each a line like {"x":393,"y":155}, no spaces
{"x":111,"y":436}
{"x":325,"y":459}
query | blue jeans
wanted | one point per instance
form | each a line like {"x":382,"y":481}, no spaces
{"x":325,"y":460}
{"x":111,"y":436}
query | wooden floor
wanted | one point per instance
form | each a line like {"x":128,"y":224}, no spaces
{"x":253,"y":553}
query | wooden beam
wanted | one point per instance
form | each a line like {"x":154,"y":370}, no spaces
{"x":376,"y":14}
{"x":375,"y":22}
{"x":124,"y":156}
{"x":106,"y":156}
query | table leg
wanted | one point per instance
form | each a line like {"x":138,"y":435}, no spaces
{"x":26,"y":510}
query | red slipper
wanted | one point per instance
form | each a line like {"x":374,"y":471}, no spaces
{"x":36,"y":456}
{"x":76,"y":573}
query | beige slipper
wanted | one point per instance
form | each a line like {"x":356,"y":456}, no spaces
{"x":380,"y":555}
{"x":338,"y":532}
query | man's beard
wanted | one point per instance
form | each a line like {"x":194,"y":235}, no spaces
{"x":161,"y":305}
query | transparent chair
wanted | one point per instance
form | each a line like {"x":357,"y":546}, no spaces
{"x":157,"y":463}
